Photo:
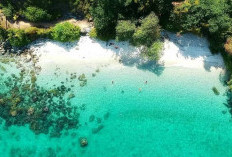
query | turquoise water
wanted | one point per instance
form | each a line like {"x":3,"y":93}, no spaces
{"x":174,"y":114}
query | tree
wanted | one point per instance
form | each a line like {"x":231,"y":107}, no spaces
{"x":35,"y":14}
{"x":125,"y":30}
{"x":148,"y":32}
{"x":8,"y":11}
{"x":209,"y":17}
{"x":105,"y":15}
{"x":66,"y":32}
{"x":18,"y":37}
{"x":81,"y":6}
{"x":54,"y":8}
{"x":154,"y":52}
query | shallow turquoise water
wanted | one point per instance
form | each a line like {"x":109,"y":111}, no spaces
{"x":174,"y":114}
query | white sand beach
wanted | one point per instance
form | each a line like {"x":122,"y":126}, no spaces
{"x":189,"y":51}
{"x":186,"y":51}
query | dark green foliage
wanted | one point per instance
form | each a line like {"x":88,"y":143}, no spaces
{"x":45,"y":9}
{"x":210,"y":17}
{"x":138,"y":8}
{"x":3,"y":34}
{"x":148,"y":32}
{"x":125,"y":30}
{"x":9,"y":11}
{"x":66,"y":32}
{"x":35,"y":14}
{"x":81,"y":6}
{"x":105,"y":15}
{"x":18,"y":37}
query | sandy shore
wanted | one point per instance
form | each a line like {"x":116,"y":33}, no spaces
{"x":187,"y":51}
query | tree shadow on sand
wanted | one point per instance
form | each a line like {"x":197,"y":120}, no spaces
{"x":192,"y":47}
{"x":125,"y":53}
{"x":130,"y":56}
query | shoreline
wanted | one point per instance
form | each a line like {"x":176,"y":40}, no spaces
{"x":189,"y":51}
{"x":90,"y":51}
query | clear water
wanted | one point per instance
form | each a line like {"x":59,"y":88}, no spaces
{"x":174,"y":114}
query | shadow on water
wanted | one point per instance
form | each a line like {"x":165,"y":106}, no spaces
{"x":192,"y":47}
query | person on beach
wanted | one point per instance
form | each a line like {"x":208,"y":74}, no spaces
{"x":112,"y":82}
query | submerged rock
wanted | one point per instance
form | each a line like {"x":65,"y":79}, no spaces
{"x":83,"y":142}
{"x":91,"y":118}
{"x":71,"y":96}
{"x":106,"y":116}
{"x":96,"y":130}
{"x":215,"y":90}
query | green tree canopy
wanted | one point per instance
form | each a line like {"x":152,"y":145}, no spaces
{"x":125,"y":30}
{"x":154,"y":52}
{"x":18,"y":37}
{"x":105,"y":15}
{"x":35,"y":14}
{"x":148,"y":32}
{"x":66,"y":32}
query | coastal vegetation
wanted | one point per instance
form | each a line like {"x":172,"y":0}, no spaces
{"x":93,"y":33}
{"x":35,"y":14}
{"x":125,"y":30}
{"x":3,"y":34}
{"x":154,"y":52}
{"x":18,"y":37}
{"x":65,"y":32}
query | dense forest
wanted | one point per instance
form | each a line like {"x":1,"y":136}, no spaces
{"x":139,"y":21}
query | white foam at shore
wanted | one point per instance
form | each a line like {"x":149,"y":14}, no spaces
{"x":186,"y":51}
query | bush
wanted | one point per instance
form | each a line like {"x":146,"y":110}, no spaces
{"x":93,"y":33}
{"x":3,"y":34}
{"x":125,"y":30}
{"x":44,"y":33}
{"x":35,"y":33}
{"x":18,"y":37}
{"x":35,"y":14}
{"x":148,"y":32}
{"x":8,"y":11}
{"x":66,"y":32}
{"x":154,"y":52}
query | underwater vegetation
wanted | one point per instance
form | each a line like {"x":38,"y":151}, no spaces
{"x":48,"y":111}
{"x":215,"y":90}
